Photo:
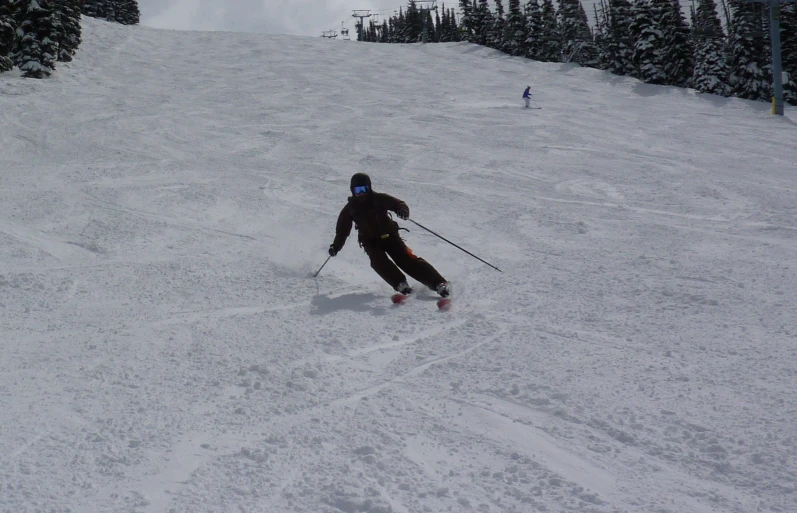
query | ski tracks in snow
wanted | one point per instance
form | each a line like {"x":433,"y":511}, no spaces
{"x":172,"y":471}
{"x":512,"y":424}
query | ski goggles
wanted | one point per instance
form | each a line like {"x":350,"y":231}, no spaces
{"x":360,"y":189}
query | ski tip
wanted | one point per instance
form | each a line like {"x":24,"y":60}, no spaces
{"x":398,"y":298}
{"x":444,"y":304}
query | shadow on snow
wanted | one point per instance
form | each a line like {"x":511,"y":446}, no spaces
{"x":323,"y":305}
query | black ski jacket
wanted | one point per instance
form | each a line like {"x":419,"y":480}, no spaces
{"x":370,"y":217}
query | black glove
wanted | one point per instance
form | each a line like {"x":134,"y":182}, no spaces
{"x":403,"y":212}
{"x":333,"y":250}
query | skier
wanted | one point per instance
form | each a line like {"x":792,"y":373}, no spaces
{"x":527,"y":95}
{"x":379,"y":236}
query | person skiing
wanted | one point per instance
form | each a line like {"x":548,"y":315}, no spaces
{"x":527,"y":95}
{"x":379,"y":236}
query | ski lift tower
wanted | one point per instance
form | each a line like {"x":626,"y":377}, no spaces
{"x":777,"y":67}
{"x":426,"y":6}
{"x":362,"y":14}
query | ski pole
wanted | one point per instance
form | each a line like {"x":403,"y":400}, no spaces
{"x":459,"y":248}
{"x":322,"y":266}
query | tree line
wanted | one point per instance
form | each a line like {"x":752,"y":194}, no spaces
{"x":724,"y":49}
{"x":35,"y":34}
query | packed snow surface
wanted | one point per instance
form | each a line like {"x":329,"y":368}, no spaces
{"x":166,"y":197}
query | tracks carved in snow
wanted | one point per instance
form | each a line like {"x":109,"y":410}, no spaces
{"x":414,"y":371}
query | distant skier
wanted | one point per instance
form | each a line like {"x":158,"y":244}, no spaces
{"x":379,"y":237}
{"x":527,"y":95}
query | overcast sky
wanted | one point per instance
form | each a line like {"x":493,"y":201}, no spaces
{"x":294,"y":17}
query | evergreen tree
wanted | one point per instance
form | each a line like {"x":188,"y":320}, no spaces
{"x":413,"y":23}
{"x":396,"y":27}
{"x":588,"y":54}
{"x":549,"y":35}
{"x":109,"y":7}
{"x":399,"y":28}
{"x":7,"y":30}
{"x":465,"y":21}
{"x":788,"y":38}
{"x":515,"y":36}
{"x":127,"y":12}
{"x":577,"y":44}
{"x":677,"y":41}
{"x":705,"y":21}
{"x":404,"y":29}
{"x":496,"y":39}
{"x":711,"y":70}
{"x":534,"y":30}
{"x":476,"y":16}
{"x":449,"y":31}
{"x":431,"y":33}
{"x":658,"y":37}
{"x":602,"y":37}
{"x":620,"y":47}
{"x":391,"y":37}
{"x":648,"y":65}
{"x":748,"y":61}
{"x":68,"y":15}
{"x":456,"y":33}
{"x":94,"y":8}
{"x":439,"y":24}
{"x":484,"y":23}
{"x":37,"y":36}
{"x":385,"y":33}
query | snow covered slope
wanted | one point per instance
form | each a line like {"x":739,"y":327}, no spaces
{"x":165,"y":198}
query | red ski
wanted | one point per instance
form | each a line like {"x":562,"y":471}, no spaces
{"x":399,"y":299}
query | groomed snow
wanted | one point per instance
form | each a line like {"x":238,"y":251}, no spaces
{"x":163,"y":348}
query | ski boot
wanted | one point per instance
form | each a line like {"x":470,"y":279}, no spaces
{"x":404,"y":288}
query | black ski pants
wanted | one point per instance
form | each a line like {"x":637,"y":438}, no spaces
{"x":403,"y":259}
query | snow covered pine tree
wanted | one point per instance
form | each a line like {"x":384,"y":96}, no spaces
{"x":711,"y":70}
{"x":37,"y":39}
{"x":7,"y":29}
{"x":69,"y":32}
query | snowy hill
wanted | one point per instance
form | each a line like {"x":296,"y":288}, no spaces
{"x":166,"y":196}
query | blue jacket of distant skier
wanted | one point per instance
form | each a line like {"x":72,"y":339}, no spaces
{"x":527,"y":92}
